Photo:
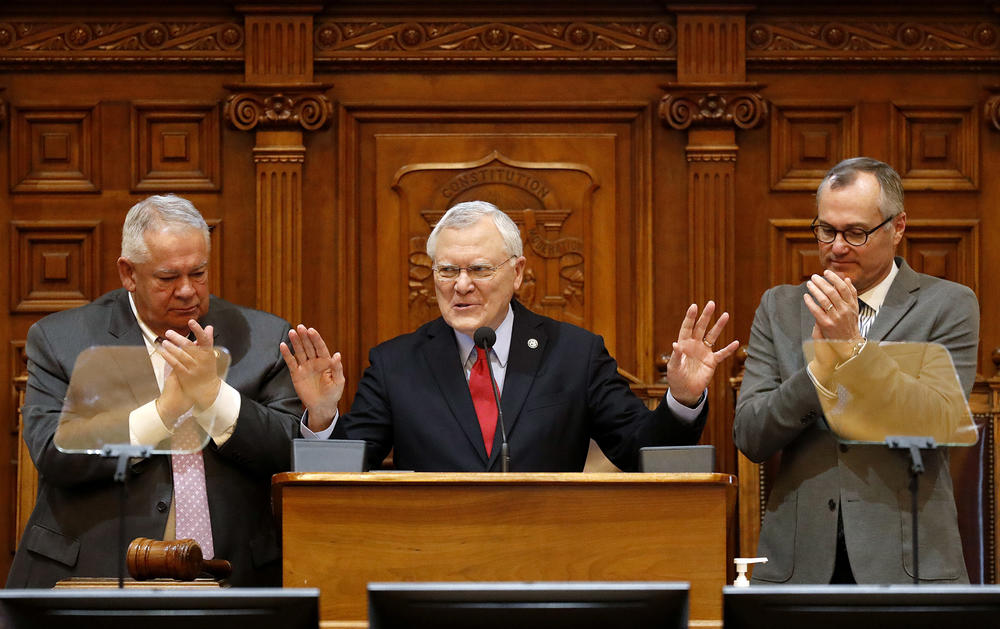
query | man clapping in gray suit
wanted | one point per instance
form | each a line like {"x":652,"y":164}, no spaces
{"x":221,"y":496}
{"x":840,"y":513}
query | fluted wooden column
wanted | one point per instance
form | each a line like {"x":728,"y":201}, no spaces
{"x":711,"y":100}
{"x":278,"y":157}
{"x":279,"y":101}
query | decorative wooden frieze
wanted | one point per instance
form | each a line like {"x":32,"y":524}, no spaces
{"x":935,"y":147}
{"x":176,"y":146}
{"x":53,"y":265}
{"x":866,"y":39}
{"x":120,"y":40}
{"x":809,"y":138}
{"x":55,"y":149}
{"x":486,"y":40}
{"x":711,"y":105}
{"x":264,"y":107}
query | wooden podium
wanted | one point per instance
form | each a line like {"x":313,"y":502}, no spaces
{"x":341,"y":531}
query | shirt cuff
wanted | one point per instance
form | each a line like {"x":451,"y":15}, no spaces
{"x":145,"y":426}
{"x":219,"y":419}
{"x":819,"y":387}
{"x":683,"y":412}
{"x":306,"y":433}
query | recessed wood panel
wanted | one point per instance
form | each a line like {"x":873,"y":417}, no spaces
{"x":936,"y":147}
{"x":944,"y":248}
{"x":794,"y":256}
{"x":53,"y":265}
{"x":55,"y":149}
{"x":807,"y":139}
{"x":175,"y":146}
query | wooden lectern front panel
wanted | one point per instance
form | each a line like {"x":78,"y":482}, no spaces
{"x":342,"y":531}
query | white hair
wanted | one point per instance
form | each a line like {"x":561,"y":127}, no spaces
{"x":158,"y":212}
{"x":468,"y":214}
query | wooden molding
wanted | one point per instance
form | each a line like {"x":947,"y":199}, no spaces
{"x":713,"y":105}
{"x":541,"y":40}
{"x":91,"y":40}
{"x":303,"y":107}
{"x":862,"y":39}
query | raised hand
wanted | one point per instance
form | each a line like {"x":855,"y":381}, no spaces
{"x":317,"y":376}
{"x":693,"y":359}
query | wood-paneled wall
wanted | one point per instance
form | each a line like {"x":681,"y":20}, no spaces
{"x":653,"y":155}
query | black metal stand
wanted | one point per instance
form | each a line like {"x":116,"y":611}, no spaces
{"x":914,"y":445}
{"x":123,"y":452}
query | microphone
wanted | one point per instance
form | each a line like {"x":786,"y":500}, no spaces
{"x":485,"y":337}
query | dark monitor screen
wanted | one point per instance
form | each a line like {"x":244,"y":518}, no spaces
{"x":860,"y":606}
{"x":208,"y":608}
{"x":528,"y":605}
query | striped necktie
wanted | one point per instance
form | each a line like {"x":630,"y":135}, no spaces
{"x":866,"y":316}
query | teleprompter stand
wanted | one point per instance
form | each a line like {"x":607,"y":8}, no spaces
{"x":913,"y":445}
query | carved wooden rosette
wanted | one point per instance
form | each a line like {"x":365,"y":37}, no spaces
{"x":711,"y":113}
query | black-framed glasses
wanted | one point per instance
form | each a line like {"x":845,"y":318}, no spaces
{"x":854,"y":236}
{"x":479,"y":271}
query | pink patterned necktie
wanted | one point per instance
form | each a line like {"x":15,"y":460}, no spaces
{"x":192,"y":518}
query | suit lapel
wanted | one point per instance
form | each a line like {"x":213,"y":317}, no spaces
{"x":123,"y":330}
{"x":440,"y":354}
{"x":522,"y":363}
{"x":902,"y":296}
{"x":806,"y":319}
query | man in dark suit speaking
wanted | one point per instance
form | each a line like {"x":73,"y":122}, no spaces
{"x":221,"y":496}
{"x":427,"y":394}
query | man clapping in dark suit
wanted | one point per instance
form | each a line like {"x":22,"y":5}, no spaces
{"x":423,"y":393}
{"x":221,"y":496}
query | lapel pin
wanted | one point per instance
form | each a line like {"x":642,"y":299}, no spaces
{"x":533,"y":343}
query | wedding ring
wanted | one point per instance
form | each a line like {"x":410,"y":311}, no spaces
{"x":707,"y":344}
{"x":829,"y":308}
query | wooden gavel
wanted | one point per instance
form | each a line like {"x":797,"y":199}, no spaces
{"x":176,"y":559}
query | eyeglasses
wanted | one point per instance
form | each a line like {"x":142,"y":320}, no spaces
{"x":854,"y":236}
{"x":475,"y":271}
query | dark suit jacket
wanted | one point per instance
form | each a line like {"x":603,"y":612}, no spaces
{"x":73,"y":530}
{"x":556,"y":397}
{"x":778,"y":409}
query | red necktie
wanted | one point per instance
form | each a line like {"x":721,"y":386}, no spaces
{"x":482,"y":397}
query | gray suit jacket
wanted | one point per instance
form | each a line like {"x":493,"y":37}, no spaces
{"x":778,"y":410}
{"x":73,"y":530}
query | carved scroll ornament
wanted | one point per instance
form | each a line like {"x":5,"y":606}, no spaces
{"x":274,"y":109}
{"x":713,"y":106}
